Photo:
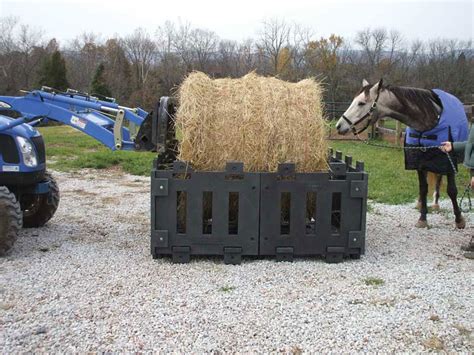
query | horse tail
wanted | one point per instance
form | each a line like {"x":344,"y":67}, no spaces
{"x":434,"y":182}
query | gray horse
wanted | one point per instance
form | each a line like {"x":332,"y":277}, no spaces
{"x":418,"y":109}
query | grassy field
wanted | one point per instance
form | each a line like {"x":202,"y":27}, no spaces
{"x":68,"y":149}
{"x":392,"y":124}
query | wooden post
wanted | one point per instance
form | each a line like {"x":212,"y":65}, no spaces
{"x":398,"y":132}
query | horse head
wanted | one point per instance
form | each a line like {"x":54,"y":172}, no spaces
{"x":361,"y":113}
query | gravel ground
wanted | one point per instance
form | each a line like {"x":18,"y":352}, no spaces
{"x":86,"y":282}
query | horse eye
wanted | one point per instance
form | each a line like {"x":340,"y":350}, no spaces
{"x":361,"y":103}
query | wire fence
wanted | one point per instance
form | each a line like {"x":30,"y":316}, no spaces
{"x":334,"y":110}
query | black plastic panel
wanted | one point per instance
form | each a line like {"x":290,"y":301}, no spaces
{"x":339,"y":211}
{"x":282,"y":214}
{"x":205,"y":234}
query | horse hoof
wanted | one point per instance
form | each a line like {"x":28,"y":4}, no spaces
{"x":421,"y":224}
{"x":461,"y":224}
{"x":435,"y":207}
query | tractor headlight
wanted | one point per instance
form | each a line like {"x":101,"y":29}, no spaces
{"x":28,"y":152}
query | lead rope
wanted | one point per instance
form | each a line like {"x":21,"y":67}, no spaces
{"x":423,"y":149}
{"x":466,"y":195}
{"x":467,"y":192}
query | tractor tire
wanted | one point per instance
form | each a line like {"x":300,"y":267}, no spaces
{"x":39,"y":209}
{"x":10,"y":220}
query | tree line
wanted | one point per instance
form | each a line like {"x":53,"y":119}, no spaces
{"x":140,"y":67}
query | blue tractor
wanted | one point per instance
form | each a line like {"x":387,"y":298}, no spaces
{"x":29,"y":195}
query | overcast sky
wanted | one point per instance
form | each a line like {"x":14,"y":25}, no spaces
{"x":240,"y":19}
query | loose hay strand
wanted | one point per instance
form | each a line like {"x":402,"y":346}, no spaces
{"x":257,"y":120}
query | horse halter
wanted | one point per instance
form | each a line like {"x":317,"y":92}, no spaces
{"x":352,"y":126}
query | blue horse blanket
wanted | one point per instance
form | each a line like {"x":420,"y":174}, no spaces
{"x":452,"y":126}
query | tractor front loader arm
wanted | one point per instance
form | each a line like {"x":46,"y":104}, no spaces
{"x":115,"y":126}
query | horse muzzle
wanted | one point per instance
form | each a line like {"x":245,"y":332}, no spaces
{"x":342,"y":127}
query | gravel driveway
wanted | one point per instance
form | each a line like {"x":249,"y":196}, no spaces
{"x":87,"y":282}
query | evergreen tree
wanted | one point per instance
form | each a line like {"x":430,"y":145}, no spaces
{"x":53,"y":72}
{"x":99,"y":86}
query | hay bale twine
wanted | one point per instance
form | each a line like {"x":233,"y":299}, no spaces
{"x":257,"y":120}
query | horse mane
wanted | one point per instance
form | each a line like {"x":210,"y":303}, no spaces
{"x":416,"y":101}
{"x":365,"y":89}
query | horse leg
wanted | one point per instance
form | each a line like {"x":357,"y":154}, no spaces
{"x":423,"y":185}
{"x":452,"y":191}
{"x":436,"y":192}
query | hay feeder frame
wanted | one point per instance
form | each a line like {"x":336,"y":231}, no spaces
{"x":234,"y":214}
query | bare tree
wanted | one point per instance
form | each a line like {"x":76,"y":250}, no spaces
{"x":372,"y":43}
{"x":118,"y":73}
{"x":248,"y":59}
{"x":203,"y":46}
{"x":7,"y":48}
{"x":195,"y":46}
{"x":181,"y":42}
{"x":448,"y":65}
{"x":379,"y":39}
{"x":7,"y":28}
{"x":165,"y":36}
{"x":395,"y":44}
{"x":170,"y":67}
{"x":300,"y":37}
{"x":406,"y":62}
{"x":142,"y":52}
{"x":325,"y":59}
{"x":83,"y":55}
{"x":228,"y":59}
{"x":21,"y":51}
{"x":274,"y":38}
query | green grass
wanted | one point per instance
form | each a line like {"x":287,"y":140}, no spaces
{"x":392,"y":124}
{"x":68,"y":149}
{"x":374,"y":281}
{"x":227,"y":288}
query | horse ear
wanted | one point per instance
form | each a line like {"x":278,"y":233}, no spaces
{"x":378,"y":86}
{"x":365,"y":83}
